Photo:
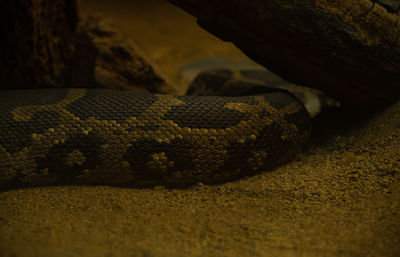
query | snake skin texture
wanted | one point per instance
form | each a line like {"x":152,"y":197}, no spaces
{"x":112,"y":137}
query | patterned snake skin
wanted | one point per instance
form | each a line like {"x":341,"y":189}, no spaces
{"x":100,"y":136}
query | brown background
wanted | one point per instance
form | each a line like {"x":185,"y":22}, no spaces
{"x":340,"y":198}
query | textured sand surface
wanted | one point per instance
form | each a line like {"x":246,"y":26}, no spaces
{"x":340,"y":198}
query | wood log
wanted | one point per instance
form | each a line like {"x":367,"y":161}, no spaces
{"x":46,"y":44}
{"x":349,"y":49}
{"x":36,"y":42}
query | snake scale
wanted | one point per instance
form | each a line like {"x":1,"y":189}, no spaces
{"x":112,"y":137}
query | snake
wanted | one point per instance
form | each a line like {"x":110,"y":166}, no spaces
{"x":70,"y":136}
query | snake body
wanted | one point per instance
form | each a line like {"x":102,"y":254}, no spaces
{"x":112,"y":137}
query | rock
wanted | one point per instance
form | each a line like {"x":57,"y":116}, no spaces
{"x":105,"y":58}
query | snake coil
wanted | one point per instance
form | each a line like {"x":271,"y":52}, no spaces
{"x":100,"y":136}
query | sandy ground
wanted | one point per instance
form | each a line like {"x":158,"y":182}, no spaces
{"x":340,"y":198}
